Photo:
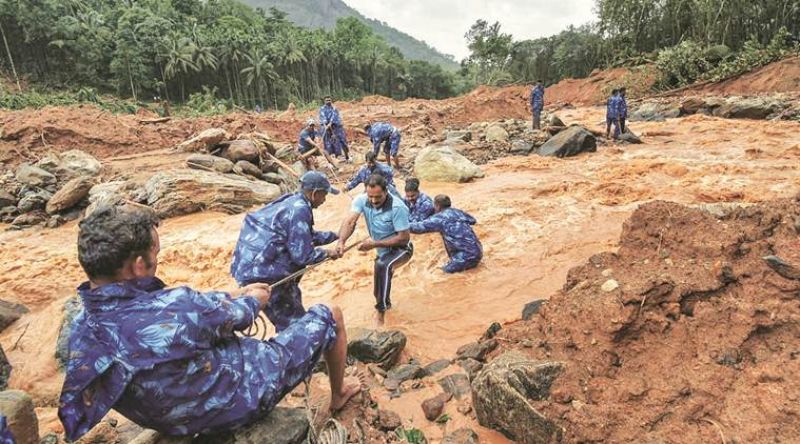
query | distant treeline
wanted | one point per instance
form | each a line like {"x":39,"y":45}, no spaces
{"x":220,"y":53}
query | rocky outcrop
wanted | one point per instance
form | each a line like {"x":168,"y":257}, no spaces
{"x":178,"y":192}
{"x":441,"y":163}
{"x":748,"y":108}
{"x":34,"y":176}
{"x":238,"y":150}
{"x":70,"y":194}
{"x":381,"y":347}
{"x":208,"y":162}
{"x":282,"y":426}
{"x":570,"y":142}
{"x":501,"y":394}
{"x":204,"y":140}
{"x":655,"y":112}
{"x":496,"y":133}
{"x":70,"y":164}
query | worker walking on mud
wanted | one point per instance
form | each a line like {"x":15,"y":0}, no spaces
{"x":384,"y":133}
{"x":420,"y":206}
{"x":372,"y":166}
{"x":388,"y":225}
{"x":455,"y":226}
{"x":537,"y":103}
{"x":279,"y":240}
{"x":309,"y":148}
{"x":612,"y":107}
{"x":333,"y":134}
{"x":622,"y":111}
{"x":168,"y":359}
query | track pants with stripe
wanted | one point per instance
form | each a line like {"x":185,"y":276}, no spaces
{"x":384,"y":270}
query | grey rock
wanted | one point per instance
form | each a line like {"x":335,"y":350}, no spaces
{"x":405,"y":372}
{"x":496,"y":133}
{"x":275,"y":178}
{"x":555,"y":121}
{"x":500,"y":394}
{"x":456,"y":385}
{"x":204,"y":140}
{"x":29,"y":219}
{"x":282,"y":426}
{"x":531,"y":308}
{"x":436,"y":366}
{"x":70,"y":164}
{"x":748,"y":108}
{"x":629,"y":137}
{"x":462,"y":436}
{"x":388,"y":420}
{"x":7,"y":199}
{"x":471,"y":366}
{"x":458,"y":135}
{"x":50,"y":438}
{"x":209,"y":162}
{"x":72,"y":308}
{"x":5,"y":369}
{"x":442,"y":163}
{"x":9,"y":313}
{"x":382,"y":347}
{"x":238,"y":150}
{"x":521,"y":147}
{"x":55,"y":221}
{"x":492,"y":331}
{"x":153,"y":437}
{"x":18,"y":409}
{"x":244,"y":167}
{"x":434,"y":407}
{"x":655,"y":112}
{"x":70,"y":194}
{"x":33,"y":201}
{"x":476,"y":350}
{"x":34,"y":176}
{"x":570,"y":142}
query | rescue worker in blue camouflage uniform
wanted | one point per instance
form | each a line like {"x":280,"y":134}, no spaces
{"x":460,"y":242}
{"x":309,"y":148}
{"x":622,"y":111}
{"x":420,"y":206}
{"x":279,"y":240}
{"x":168,"y":359}
{"x":537,"y":103}
{"x":372,"y":166}
{"x":611,"y":113}
{"x":6,"y":437}
{"x":333,"y":134}
{"x":384,"y":133}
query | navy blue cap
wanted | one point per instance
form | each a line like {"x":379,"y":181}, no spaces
{"x":314,"y":180}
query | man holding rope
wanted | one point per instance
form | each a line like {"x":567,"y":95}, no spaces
{"x":388,"y":226}
{"x":333,"y":133}
{"x":168,"y":359}
{"x":279,"y":240}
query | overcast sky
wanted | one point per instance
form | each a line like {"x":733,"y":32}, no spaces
{"x":443,"y":23}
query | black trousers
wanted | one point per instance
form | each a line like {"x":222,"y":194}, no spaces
{"x":384,"y":270}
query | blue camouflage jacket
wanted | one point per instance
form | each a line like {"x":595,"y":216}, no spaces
{"x":455,"y":228}
{"x":379,"y":133}
{"x":364,"y":172}
{"x":622,"y":108}
{"x":329,"y":114}
{"x":278,"y":240}
{"x":6,"y":437}
{"x":612,"y":107}
{"x":167,"y":359}
{"x":537,"y":97}
{"x":422,"y":209}
{"x":302,"y":143}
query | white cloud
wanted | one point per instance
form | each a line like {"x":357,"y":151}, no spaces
{"x":443,"y":23}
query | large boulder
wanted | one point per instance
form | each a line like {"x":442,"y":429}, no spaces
{"x":748,"y":108}
{"x":34,"y":176}
{"x":245,"y":168}
{"x":501,"y":394}
{"x":70,"y":164}
{"x":282,"y":426}
{"x":7,"y":199}
{"x":441,"y":163}
{"x":17,"y":407}
{"x":496,"y":133}
{"x":33,"y":201}
{"x":209,"y":162}
{"x":204,"y":140}
{"x":382,"y":347}
{"x":570,"y":142}
{"x":9,"y":313}
{"x":655,"y":112}
{"x":521,"y":147}
{"x":29,"y":219}
{"x":178,"y":192}
{"x":70,"y":194}
{"x":238,"y":150}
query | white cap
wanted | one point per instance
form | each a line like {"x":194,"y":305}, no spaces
{"x":310,"y":122}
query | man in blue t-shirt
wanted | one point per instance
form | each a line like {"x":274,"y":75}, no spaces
{"x":388,"y":225}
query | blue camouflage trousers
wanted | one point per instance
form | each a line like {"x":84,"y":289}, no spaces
{"x":461,"y":262}
{"x":285,"y":305}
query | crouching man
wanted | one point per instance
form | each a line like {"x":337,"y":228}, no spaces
{"x":168,"y":358}
{"x":455,"y":226}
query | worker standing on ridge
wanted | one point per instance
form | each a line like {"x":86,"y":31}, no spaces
{"x":279,"y":240}
{"x":387,"y":223}
{"x":309,"y":148}
{"x":537,"y":103}
{"x":419,"y":204}
{"x":611,"y":113}
{"x":372,"y":166}
{"x":168,"y":359}
{"x":460,"y":242}
{"x":333,"y":134}
{"x":384,"y":133}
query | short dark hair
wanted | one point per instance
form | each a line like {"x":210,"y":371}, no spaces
{"x":327,"y":97}
{"x":539,"y":81}
{"x":376,"y":180}
{"x":412,"y":184}
{"x":367,"y":127}
{"x":442,"y":201}
{"x":370,"y":156}
{"x":111,"y":235}
{"x":614,"y":91}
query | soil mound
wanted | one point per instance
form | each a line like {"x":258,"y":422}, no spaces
{"x":596,"y":88}
{"x":685,"y":334}
{"x":778,"y":77}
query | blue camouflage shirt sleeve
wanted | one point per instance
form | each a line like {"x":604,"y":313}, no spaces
{"x":220,"y":314}
{"x":300,"y":242}
{"x":324,"y":237}
{"x":429,"y":225}
{"x":360,"y":177}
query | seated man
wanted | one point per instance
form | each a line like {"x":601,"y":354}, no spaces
{"x":168,"y":358}
{"x":460,"y":242}
{"x":420,"y":206}
{"x":309,"y":148}
{"x":373,"y":167}
{"x":280,"y":239}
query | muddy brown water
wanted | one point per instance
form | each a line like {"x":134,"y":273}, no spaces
{"x":537,"y":218}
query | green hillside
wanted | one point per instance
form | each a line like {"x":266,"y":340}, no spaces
{"x":324,"y":13}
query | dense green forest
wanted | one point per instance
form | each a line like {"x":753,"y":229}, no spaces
{"x":325,"y":13}
{"x":218,"y":54}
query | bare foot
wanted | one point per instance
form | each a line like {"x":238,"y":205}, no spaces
{"x":350,"y":388}
{"x":379,"y":318}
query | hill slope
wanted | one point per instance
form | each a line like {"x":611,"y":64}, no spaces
{"x":324,"y":13}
